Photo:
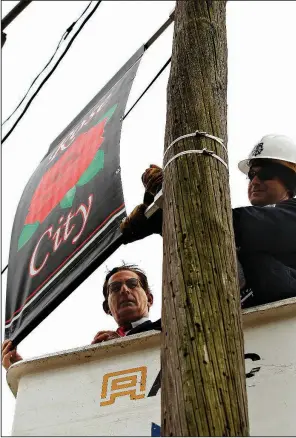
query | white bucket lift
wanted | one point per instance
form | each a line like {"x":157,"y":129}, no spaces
{"x":113,"y":389}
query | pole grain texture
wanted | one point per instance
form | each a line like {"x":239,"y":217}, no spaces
{"x":203,"y":371}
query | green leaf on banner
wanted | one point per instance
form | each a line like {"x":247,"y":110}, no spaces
{"x":109,"y":113}
{"x":26,"y":234}
{"x":67,"y":200}
{"x":95,"y":166}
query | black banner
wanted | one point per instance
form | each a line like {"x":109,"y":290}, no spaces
{"x":67,"y":221}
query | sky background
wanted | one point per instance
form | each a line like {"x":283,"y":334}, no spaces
{"x":261,"y":100}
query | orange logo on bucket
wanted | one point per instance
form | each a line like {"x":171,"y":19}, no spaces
{"x":130,"y":382}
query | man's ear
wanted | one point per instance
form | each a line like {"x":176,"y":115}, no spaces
{"x":149,"y":299}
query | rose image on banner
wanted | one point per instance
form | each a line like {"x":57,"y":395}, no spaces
{"x":67,"y":221}
{"x":79,"y":164}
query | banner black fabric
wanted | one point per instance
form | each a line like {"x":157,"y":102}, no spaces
{"x":67,"y":221}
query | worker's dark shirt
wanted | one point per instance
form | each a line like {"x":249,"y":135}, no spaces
{"x":266,"y":242}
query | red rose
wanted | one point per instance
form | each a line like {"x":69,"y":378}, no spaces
{"x":65,"y":173}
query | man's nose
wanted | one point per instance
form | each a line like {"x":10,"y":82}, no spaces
{"x":256,"y":180}
{"x":124,"y":288}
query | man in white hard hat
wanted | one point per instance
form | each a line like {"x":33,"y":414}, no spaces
{"x":276,"y":154}
{"x":266,"y":237}
{"x":265,"y":232}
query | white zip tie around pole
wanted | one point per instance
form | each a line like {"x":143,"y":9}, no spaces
{"x":203,"y":151}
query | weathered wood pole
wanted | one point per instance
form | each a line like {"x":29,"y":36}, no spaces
{"x":203,"y":373}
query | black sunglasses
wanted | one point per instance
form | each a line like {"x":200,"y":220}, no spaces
{"x":116,"y":286}
{"x":264,"y":174}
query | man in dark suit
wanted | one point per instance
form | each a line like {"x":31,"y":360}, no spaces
{"x":127,"y":298}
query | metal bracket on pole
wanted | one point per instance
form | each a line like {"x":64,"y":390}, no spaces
{"x":155,"y":206}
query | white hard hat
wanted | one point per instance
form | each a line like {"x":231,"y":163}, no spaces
{"x":275,"y":147}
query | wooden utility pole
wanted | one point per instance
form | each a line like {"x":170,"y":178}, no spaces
{"x":203,"y":373}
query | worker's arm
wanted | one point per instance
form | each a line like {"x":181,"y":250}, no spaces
{"x":136,"y":226}
{"x":257,"y":229}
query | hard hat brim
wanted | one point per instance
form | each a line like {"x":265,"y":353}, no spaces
{"x":244,"y":165}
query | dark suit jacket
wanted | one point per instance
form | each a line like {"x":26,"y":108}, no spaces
{"x":266,"y":237}
{"x":145,"y":327}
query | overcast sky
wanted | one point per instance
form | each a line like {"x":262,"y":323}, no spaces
{"x":261,"y":100}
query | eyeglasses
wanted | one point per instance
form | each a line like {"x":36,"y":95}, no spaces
{"x":116,"y":286}
{"x":264,"y":174}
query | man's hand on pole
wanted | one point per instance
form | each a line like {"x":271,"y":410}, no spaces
{"x":152,"y":179}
